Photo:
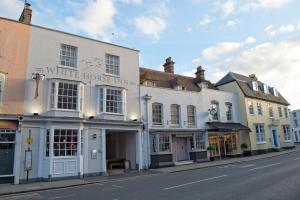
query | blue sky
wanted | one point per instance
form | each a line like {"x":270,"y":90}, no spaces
{"x":244,"y":36}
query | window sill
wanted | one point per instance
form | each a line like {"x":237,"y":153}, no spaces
{"x":64,"y":157}
{"x":64,"y":110}
{"x":112,"y":75}
{"x":261,"y":142}
{"x":109,"y":113}
{"x":66,"y":67}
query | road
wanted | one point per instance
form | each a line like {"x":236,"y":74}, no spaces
{"x":276,"y":178}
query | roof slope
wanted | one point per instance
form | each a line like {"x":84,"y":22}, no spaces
{"x":169,"y":80}
{"x":243,"y":83}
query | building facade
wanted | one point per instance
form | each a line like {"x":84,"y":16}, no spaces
{"x":295,"y":121}
{"x":69,"y":105}
{"x":176,"y":110}
{"x":263,"y":109}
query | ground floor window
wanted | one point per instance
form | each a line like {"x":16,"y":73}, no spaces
{"x":65,"y":142}
{"x":260,"y":133}
{"x":200,"y":141}
{"x":161,"y":143}
{"x":287,"y":133}
{"x":7,"y":147}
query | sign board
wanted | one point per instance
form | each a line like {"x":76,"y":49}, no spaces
{"x":28,"y":160}
{"x":29,"y":140}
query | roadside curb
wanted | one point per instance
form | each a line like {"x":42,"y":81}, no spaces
{"x":228,"y":163}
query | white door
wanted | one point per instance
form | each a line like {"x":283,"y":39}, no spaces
{"x":181,"y":149}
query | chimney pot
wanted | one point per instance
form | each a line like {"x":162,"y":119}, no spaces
{"x":169,"y":65}
{"x":200,"y":75}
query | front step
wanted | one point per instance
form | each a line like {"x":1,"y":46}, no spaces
{"x":186,"y":162}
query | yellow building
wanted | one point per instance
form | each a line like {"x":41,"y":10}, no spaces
{"x":263,"y":109}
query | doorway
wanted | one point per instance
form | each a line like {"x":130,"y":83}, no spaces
{"x":275,"y":143}
{"x":182,"y":152}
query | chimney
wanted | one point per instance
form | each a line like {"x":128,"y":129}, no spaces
{"x":26,"y":14}
{"x":253,"y":77}
{"x":200,"y":76}
{"x":169,"y":65}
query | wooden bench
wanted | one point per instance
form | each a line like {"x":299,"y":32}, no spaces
{"x":115,"y":163}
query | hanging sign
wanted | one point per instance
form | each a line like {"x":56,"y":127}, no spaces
{"x":28,"y":160}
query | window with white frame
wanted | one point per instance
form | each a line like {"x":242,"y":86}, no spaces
{"x":259,"y":109}
{"x":191,"y":115}
{"x":164,"y":143}
{"x":175,"y":114}
{"x":215,"y":109}
{"x":65,"y":142}
{"x":260,"y":133}
{"x":65,"y":95}
{"x":286,"y":113}
{"x":157,"y":111}
{"x":111,"y":100}
{"x":200,"y":141}
{"x":271,"y":113}
{"x":47,"y":143}
{"x":251,"y":108}
{"x":112,"y":64}
{"x":228,"y":111}
{"x":2,"y":79}
{"x":287,"y":133}
{"x":68,"y":56}
{"x":280,"y":111}
{"x":254,"y":85}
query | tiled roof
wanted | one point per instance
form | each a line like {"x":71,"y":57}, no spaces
{"x":243,"y":83}
{"x":169,"y":80}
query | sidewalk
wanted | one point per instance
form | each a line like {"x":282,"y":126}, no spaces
{"x":6,"y":189}
{"x":224,"y":161}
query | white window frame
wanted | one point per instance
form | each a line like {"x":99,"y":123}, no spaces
{"x":68,"y":56}
{"x":280,"y":114}
{"x":177,"y":115}
{"x":156,"y":143}
{"x":259,"y":109}
{"x":102,"y":99}
{"x":2,"y":82}
{"x":53,"y":95}
{"x":266,"y":89}
{"x":286,"y":113}
{"x":191,"y":115}
{"x":287,"y":133}
{"x":229,"y":112}
{"x":271,"y":111}
{"x":254,"y":85}
{"x":251,"y":108}
{"x":200,"y":141}
{"x":260,"y":133}
{"x":66,"y":142}
{"x":112,"y":67}
{"x":161,"y":114}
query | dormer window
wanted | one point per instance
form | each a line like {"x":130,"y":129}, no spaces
{"x":274,"y":92}
{"x":266,"y":89}
{"x":254,"y":85}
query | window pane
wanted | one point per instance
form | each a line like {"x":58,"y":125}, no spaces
{"x":68,"y":56}
{"x":112,"y":64}
{"x":67,"y":96}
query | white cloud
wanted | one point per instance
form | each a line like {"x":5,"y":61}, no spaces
{"x":232,"y":23}
{"x":270,"y":30}
{"x":219,"y":50}
{"x":150,"y":26}
{"x":96,"y":19}
{"x":287,"y":28}
{"x":11,"y":8}
{"x":228,"y":7}
{"x":132,"y":1}
{"x":276,"y":64}
{"x":205,"y":20}
{"x":264,"y":4}
{"x":189,"y":29}
{"x":250,"y":40}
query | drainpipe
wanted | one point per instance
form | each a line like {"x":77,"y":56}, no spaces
{"x":146,"y":124}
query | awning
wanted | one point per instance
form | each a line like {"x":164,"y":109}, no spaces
{"x":224,"y":127}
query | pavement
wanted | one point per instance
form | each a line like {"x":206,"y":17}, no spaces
{"x":156,"y":177}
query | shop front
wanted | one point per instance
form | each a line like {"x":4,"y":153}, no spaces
{"x":225,"y":139}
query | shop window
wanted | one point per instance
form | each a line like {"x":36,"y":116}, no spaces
{"x":65,"y":142}
{"x":200,"y":141}
{"x":164,"y":143}
{"x":157,"y":111}
{"x":287,"y":133}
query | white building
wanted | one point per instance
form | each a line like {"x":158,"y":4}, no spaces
{"x":81,"y":107}
{"x":176,"y":110}
{"x":295,"y":122}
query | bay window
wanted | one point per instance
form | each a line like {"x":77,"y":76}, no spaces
{"x":111,"y":100}
{"x":65,"y":95}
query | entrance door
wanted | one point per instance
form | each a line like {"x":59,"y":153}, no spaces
{"x":6,"y":159}
{"x":275,"y":139}
{"x":181,"y":149}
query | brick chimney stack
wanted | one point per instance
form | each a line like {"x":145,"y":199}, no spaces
{"x":26,"y":14}
{"x":169,"y":65}
{"x":200,"y":76}
{"x":253,"y":77}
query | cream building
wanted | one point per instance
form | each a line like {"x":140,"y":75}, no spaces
{"x":263,"y":109}
{"x":295,"y":121}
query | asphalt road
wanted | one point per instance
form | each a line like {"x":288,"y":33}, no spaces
{"x":276,"y":178}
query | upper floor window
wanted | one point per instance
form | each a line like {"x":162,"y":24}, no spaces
{"x":266,"y":89}
{"x":286,"y":131}
{"x":65,"y":95}
{"x":294,"y":114}
{"x":175,"y":114}
{"x":280,"y":111}
{"x":254,"y":85}
{"x":112,"y":64}
{"x":260,"y":133}
{"x":215,"y":110}
{"x":296,"y":123}
{"x":251,"y":107}
{"x":286,"y":113}
{"x":259,"y":109}
{"x":229,"y":111}
{"x":191,"y":115}
{"x":157,"y":111}
{"x":2,"y":79}
{"x":111,"y":100}
{"x":271,"y":113}
{"x":68,"y":56}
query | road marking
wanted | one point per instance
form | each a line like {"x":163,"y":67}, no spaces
{"x":22,"y":196}
{"x":60,"y":197}
{"x":246,"y":166}
{"x":265,"y":166}
{"x":190,"y":183}
{"x":297,"y":159}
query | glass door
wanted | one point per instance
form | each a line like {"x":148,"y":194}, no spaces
{"x":7,"y":148}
